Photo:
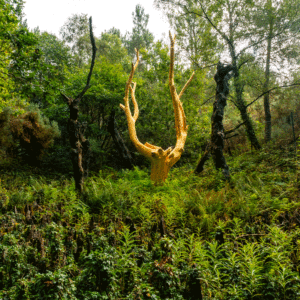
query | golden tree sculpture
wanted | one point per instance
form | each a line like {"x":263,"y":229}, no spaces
{"x":161,"y":160}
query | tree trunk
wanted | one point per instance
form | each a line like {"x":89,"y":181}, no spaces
{"x":249,"y":128}
{"x":217,"y":129}
{"x":240,"y":103}
{"x":268,"y":117}
{"x":80,"y":147}
{"x":80,"y":152}
{"x":128,"y":161}
{"x":216,"y":145}
{"x":243,"y":111}
{"x":159,"y":170}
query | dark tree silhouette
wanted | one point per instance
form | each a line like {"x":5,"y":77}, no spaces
{"x":80,"y":146}
{"x":216,"y":145}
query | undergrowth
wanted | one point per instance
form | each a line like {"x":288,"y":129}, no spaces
{"x":196,"y":237}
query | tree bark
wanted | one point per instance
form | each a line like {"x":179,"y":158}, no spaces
{"x":239,"y":87}
{"x":128,"y":161}
{"x":249,"y":127}
{"x":77,"y":140}
{"x":217,"y":129}
{"x":268,"y":117}
{"x":216,"y":145}
{"x":242,"y":107}
{"x":80,"y":146}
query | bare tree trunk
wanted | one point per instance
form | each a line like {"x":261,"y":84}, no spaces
{"x":80,"y":147}
{"x":119,"y":142}
{"x":217,"y":133}
{"x":216,"y":145}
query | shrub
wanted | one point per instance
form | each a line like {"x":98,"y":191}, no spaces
{"x":28,"y":134}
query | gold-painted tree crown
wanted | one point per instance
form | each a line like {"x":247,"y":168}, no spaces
{"x":161,"y":160}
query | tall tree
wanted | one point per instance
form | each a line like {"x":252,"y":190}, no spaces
{"x":75,"y":31}
{"x":197,"y":41}
{"x":140,"y":37}
{"x":17,"y":53}
{"x":110,"y":46}
{"x":216,"y":144}
{"x":227,"y":20}
{"x":266,"y":31}
{"x":50,"y":71}
{"x":277,"y":26}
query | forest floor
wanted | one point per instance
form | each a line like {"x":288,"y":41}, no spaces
{"x":196,"y":237}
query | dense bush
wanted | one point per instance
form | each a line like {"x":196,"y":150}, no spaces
{"x":27,"y":135}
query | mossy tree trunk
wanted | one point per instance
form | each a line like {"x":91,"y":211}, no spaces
{"x":229,"y":38}
{"x":242,"y":107}
{"x":216,"y":145}
{"x":217,"y":128}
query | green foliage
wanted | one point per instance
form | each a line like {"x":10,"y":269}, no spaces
{"x":110,"y":46}
{"x":29,"y":133}
{"x":194,"y":35}
{"x":125,"y":238}
{"x":12,"y":37}
{"x":53,"y":59}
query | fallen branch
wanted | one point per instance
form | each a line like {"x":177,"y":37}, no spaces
{"x":274,"y":88}
{"x":234,"y":129}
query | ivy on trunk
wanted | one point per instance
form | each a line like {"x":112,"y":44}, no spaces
{"x":216,"y":145}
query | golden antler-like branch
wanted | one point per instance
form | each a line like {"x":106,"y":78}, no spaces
{"x":180,"y":119}
{"x":143,"y":149}
{"x":161,"y":160}
{"x":135,"y":105}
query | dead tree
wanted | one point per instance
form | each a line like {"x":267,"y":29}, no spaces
{"x":80,"y":146}
{"x":161,"y":160}
{"x":216,"y":145}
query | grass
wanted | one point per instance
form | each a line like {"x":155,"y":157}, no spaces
{"x":124,"y":238}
